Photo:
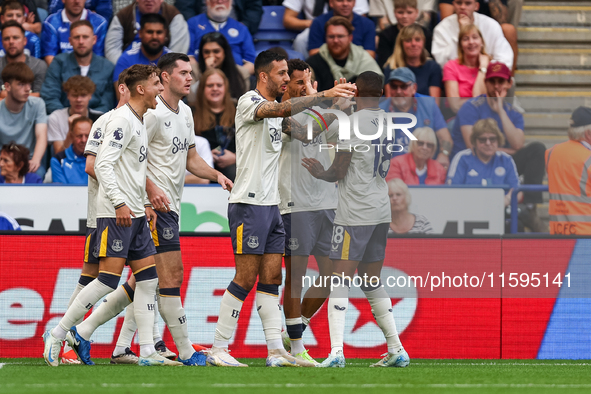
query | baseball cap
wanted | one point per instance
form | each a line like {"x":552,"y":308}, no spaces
{"x":581,"y":117}
{"x":498,"y":69}
{"x":402,"y":74}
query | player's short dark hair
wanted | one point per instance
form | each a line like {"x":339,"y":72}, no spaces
{"x":167,"y":62}
{"x":139,"y":73}
{"x":296,"y":64}
{"x":78,"y":85}
{"x":339,"y":21}
{"x":369,"y":84}
{"x":81,"y":22}
{"x":12,"y":5}
{"x":122,"y":76}
{"x":264,"y":62}
{"x":80,"y":119}
{"x":20,"y":154}
{"x":153,"y":18}
{"x":18,"y":71}
{"x":12,"y":23}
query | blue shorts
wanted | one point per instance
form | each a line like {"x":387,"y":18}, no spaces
{"x":91,"y":246}
{"x":132,"y":243}
{"x":166,"y":234}
{"x":365,"y":244}
{"x":308,"y":233}
{"x":256,"y":229}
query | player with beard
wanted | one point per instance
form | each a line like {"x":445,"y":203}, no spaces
{"x":361,"y":223}
{"x":153,"y":32}
{"x":256,"y":228}
{"x":307,"y":208}
{"x":172,"y":150}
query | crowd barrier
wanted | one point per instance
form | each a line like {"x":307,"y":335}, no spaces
{"x":39,"y":272}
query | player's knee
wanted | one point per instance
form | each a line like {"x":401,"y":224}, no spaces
{"x":246,"y":282}
{"x":86,"y":279}
{"x":110,"y":280}
{"x":238,"y":291}
{"x":146,"y":273}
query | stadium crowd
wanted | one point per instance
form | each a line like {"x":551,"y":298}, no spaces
{"x":61,"y":61}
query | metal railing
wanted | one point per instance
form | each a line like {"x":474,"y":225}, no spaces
{"x":514,"y":209}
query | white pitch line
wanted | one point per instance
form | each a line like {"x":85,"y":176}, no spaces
{"x":2,"y":364}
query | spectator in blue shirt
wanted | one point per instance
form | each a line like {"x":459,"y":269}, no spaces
{"x":14,"y":11}
{"x":216,"y":18}
{"x":102,"y":7}
{"x":68,"y":166}
{"x":152,"y":33}
{"x":14,"y":165}
{"x":7,"y":223}
{"x":528,"y":158}
{"x":484,"y":164}
{"x":404,"y":98}
{"x":81,"y":61}
{"x":364,"y":34}
{"x":56,"y":30}
{"x":248,"y":12}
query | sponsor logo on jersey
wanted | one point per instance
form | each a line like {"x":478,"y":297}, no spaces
{"x":177,"y":145}
{"x":255,"y":99}
{"x":188,"y":121}
{"x":473,"y":172}
{"x":118,"y":134}
{"x":117,"y":245}
{"x":293,"y":244}
{"x":138,"y":132}
{"x":167,"y":125}
{"x":142,"y":153}
{"x":115,"y":144}
{"x":500,"y":171}
{"x":253,"y":241}
{"x":97,"y":134}
{"x":167,"y":233}
{"x":275,"y":135}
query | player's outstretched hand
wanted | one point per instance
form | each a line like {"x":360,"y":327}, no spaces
{"x":151,"y":218}
{"x":225,"y":182}
{"x":313,"y":166}
{"x":342,"y":90}
{"x":311,"y":88}
{"x":157,"y":197}
{"x":123,"y":216}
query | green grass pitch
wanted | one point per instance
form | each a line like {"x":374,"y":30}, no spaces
{"x":32,"y":376}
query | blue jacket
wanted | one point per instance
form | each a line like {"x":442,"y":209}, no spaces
{"x":33,"y":47}
{"x":68,"y":168}
{"x":102,"y":7}
{"x":56,"y":33}
{"x":63,"y":67}
{"x":249,"y":12}
{"x":467,"y":169}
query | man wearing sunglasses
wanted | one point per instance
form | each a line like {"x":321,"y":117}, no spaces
{"x":404,"y":98}
{"x":529,"y":159}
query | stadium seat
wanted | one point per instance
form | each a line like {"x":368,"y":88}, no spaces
{"x":290,"y":52}
{"x":271,"y":26}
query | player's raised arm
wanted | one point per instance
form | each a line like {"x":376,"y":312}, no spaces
{"x":335,"y":172}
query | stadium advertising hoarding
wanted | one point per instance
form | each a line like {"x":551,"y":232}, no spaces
{"x":451,"y":211}
{"x":40,"y":272}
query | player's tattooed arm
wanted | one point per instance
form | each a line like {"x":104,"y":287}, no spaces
{"x":272,"y":109}
{"x":293,"y":128}
{"x":498,"y":11}
{"x":335,"y":172}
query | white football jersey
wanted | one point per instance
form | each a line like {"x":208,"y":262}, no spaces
{"x":170,"y":136}
{"x":300,"y":191}
{"x":121,"y":164}
{"x":363,"y":192}
{"x":95,"y":139}
{"x":258,"y":146}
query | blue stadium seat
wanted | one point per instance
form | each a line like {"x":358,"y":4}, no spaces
{"x":271,"y":26}
{"x":290,"y":52}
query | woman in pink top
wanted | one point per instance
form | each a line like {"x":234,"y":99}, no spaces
{"x":417,"y":167}
{"x":463,"y":77}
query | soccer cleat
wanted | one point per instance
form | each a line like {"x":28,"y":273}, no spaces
{"x":197,"y":359}
{"x":80,"y":345}
{"x":156,"y":359}
{"x":128,"y":357}
{"x":51,"y":350}
{"x":70,"y":357}
{"x":334,"y":361}
{"x":280,"y":358}
{"x":162,"y":350}
{"x":286,"y":340}
{"x":199,"y":348}
{"x":220,"y":357}
{"x":304,"y":356}
{"x":397,"y":360}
